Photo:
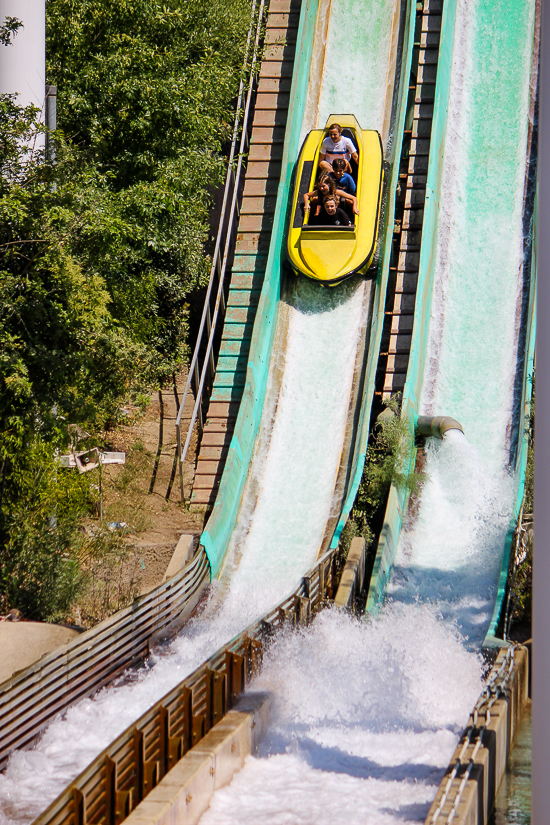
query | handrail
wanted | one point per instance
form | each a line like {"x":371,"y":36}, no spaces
{"x":226,"y":233}
{"x":111,"y":787}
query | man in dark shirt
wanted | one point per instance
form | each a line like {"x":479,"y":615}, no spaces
{"x":330,"y":215}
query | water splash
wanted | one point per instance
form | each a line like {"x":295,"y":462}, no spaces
{"x":363,"y":718}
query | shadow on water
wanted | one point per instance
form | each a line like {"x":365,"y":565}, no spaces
{"x":456,"y":593}
{"x":322,"y":758}
{"x":310,"y":298}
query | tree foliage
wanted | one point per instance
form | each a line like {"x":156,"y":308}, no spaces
{"x":388,"y":461}
{"x":101,"y":249}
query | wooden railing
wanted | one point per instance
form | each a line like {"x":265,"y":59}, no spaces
{"x":32,"y":697}
{"x":122,"y":776}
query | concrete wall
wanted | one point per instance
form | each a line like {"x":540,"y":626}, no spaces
{"x":475,"y":772}
{"x":185,"y":792}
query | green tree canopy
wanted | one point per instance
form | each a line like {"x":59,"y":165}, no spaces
{"x":100,"y":251}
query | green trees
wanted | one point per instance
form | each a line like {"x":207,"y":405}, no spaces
{"x":100,"y":251}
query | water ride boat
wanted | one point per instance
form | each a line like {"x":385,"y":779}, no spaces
{"x":330,"y":254}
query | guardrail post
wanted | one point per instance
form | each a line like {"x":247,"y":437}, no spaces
{"x":110,"y":791}
{"x":253,"y":657}
{"x":164,"y":722}
{"x":304,"y":607}
{"x":219,"y":706}
{"x":79,"y":807}
{"x":187,"y":707}
{"x":150,"y":775}
{"x":198,"y":725}
{"x":235,"y":673}
{"x":139,"y":759}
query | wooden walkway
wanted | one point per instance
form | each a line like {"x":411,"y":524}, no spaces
{"x":254,"y":235}
{"x":409,"y":211}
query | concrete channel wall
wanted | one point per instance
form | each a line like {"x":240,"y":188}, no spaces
{"x":466,"y":795}
{"x":185,"y":792}
{"x":353,"y":575}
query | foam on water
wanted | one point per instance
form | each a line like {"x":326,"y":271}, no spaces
{"x":450,"y":555}
{"x":356,"y":61}
{"x":473,"y":333}
{"x":363,"y":719}
{"x":290,"y":487}
{"x":366,"y":714}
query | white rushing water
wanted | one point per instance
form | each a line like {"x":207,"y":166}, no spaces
{"x":269,"y":553}
{"x":363,"y":719}
{"x":286,"y":505}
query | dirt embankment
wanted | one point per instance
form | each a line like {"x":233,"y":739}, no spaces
{"x":141,"y":504}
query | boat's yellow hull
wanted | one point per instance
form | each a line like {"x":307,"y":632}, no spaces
{"x":330,"y":255}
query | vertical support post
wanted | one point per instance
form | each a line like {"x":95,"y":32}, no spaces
{"x":110,"y":791}
{"x":79,"y":803}
{"x":139,"y":761}
{"x":164,"y":722}
{"x":187,"y":702}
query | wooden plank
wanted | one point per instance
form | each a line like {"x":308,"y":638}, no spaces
{"x":227,"y":393}
{"x":257,"y":187}
{"x":212,"y":453}
{"x":400,"y":343}
{"x":404,"y":303}
{"x":421,"y":128}
{"x":277,"y":68}
{"x":220,"y":425}
{"x":265,"y":151}
{"x":200,"y":496}
{"x":402,"y":323}
{"x":227,"y":380}
{"x":248,"y":263}
{"x":283,"y":20}
{"x":243,"y":297}
{"x":269,"y":100}
{"x":274,"y":85}
{"x":408,"y":261}
{"x":208,"y":467}
{"x":215,"y":439}
{"x":258,"y":206}
{"x":222,"y":410}
{"x":270,"y":117}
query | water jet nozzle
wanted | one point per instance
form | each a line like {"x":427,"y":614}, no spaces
{"x":436,"y":425}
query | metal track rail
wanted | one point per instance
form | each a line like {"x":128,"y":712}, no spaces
{"x":409,"y":212}
{"x":122,"y":776}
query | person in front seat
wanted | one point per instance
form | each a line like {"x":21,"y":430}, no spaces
{"x":331,"y":214}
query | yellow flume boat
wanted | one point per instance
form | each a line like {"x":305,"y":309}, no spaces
{"x":333,"y":253}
